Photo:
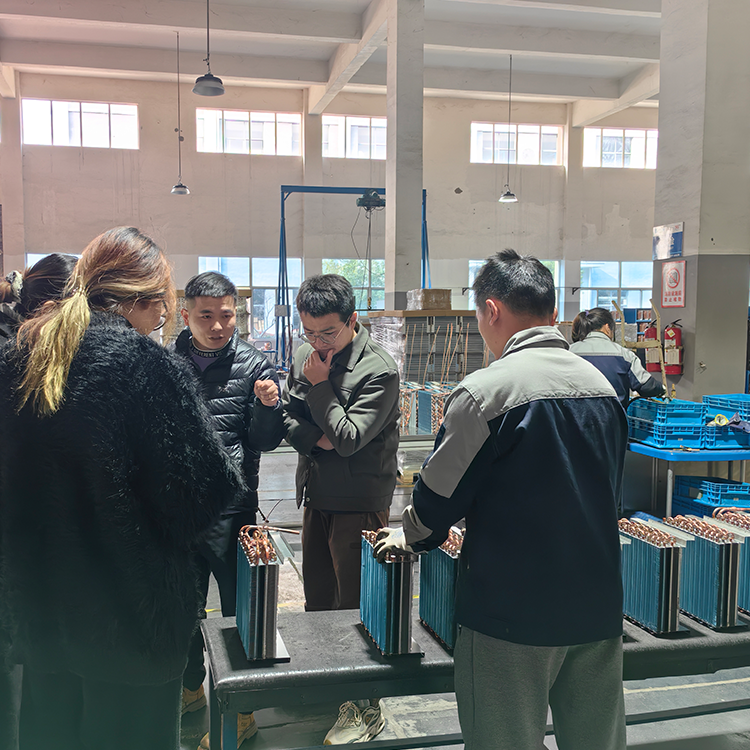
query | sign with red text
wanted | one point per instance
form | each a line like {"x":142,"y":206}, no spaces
{"x":673,"y":284}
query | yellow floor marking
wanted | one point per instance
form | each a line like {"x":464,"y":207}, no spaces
{"x":665,"y":688}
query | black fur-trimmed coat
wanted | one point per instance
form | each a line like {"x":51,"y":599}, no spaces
{"x":100,"y":506}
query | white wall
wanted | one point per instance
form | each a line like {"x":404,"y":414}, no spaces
{"x":71,"y":194}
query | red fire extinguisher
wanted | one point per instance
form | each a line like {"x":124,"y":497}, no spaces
{"x":673,"y":348}
{"x":652,"y":355}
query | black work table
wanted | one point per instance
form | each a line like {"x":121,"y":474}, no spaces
{"x":331,"y":660}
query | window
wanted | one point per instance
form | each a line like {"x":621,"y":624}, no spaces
{"x":620,"y":148}
{"x":500,"y":143}
{"x":237,"y":270}
{"x":236,"y":132}
{"x":552,"y":265}
{"x":367,"y":278}
{"x":265,"y":284}
{"x":88,"y":124}
{"x":629,"y":283}
{"x":354,"y":137}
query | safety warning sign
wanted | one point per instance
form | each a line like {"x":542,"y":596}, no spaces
{"x":673,"y":284}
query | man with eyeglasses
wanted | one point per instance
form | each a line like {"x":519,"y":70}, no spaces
{"x":240,"y":387}
{"x":341,"y":411}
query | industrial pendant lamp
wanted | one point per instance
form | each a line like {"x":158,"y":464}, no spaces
{"x":179,"y":188}
{"x":208,"y":85}
{"x":508,"y":196}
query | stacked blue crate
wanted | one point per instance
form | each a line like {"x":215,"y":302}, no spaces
{"x":386,"y":599}
{"x":667,"y":424}
{"x":727,"y":404}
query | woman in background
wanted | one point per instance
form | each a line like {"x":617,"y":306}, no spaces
{"x":593,"y":339}
{"x":23,"y":294}
{"x":109,"y":473}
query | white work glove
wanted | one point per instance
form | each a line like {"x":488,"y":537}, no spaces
{"x":389,"y":540}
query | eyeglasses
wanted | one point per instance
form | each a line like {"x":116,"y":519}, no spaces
{"x":163,"y":316}
{"x":325,"y":338}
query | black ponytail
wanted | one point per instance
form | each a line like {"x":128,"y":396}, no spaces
{"x":588,"y":321}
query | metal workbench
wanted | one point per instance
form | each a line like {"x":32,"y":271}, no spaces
{"x":333,"y":661}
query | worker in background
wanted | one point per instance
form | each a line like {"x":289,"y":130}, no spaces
{"x":593,"y":339}
{"x":21,"y":296}
{"x":240,"y":388}
{"x":531,"y":454}
{"x":341,"y":405}
{"x":110,"y":472}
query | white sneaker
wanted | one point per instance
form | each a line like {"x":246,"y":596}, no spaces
{"x":355,"y":725}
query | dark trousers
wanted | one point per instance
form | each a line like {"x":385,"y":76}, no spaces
{"x":331,"y":556}
{"x":221,"y":560}
{"x":68,"y":712}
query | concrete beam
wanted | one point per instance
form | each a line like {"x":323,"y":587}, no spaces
{"x":638,"y":8}
{"x":7,"y":82}
{"x":154,"y":64}
{"x":636,"y":88}
{"x":349,"y":58}
{"x":287,"y":24}
{"x":492,"y":82}
{"x":442,"y":35}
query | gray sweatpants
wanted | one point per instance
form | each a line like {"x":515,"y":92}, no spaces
{"x":503,"y":690}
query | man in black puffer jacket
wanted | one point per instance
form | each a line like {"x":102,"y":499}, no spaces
{"x":240,"y":387}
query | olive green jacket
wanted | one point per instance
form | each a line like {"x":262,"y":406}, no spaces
{"x":357,"y":409}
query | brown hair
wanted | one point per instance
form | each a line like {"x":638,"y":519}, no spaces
{"x":45,"y":280}
{"x":119,"y":267}
{"x":588,"y":321}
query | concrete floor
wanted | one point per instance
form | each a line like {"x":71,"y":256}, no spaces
{"x":417,"y":715}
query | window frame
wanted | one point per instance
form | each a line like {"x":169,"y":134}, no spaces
{"x":621,"y":291}
{"x":82,"y":129}
{"x":506,"y":140}
{"x":594,"y":148}
{"x":251,"y":117}
{"x":362,"y":291}
{"x":344,"y":148}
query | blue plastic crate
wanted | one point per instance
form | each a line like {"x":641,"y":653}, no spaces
{"x":665,"y":436}
{"x":713,"y":489}
{"x":725,"y":438}
{"x":688,"y":506}
{"x":727,"y":404}
{"x":668,"y":413}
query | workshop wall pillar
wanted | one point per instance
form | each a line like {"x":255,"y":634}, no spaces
{"x":404,"y":163}
{"x":703,"y":180}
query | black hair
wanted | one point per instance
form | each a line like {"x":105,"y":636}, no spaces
{"x":45,"y":281}
{"x":521,"y":282}
{"x":588,"y":321}
{"x":210,"y":284}
{"x":325,"y":294}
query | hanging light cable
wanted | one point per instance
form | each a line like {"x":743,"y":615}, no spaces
{"x":508,"y":196}
{"x":179,"y":188}
{"x":208,"y":85}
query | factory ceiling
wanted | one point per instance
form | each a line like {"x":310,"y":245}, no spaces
{"x":601,"y":54}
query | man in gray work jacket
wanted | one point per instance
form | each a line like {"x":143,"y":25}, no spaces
{"x":531,"y":454}
{"x":341,"y":412}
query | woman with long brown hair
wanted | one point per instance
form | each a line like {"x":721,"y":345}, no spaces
{"x":109,"y":474}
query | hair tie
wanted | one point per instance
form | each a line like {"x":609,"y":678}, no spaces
{"x":586,"y":313}
{"x":79,"y":290}
{"x":15,"y":279}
